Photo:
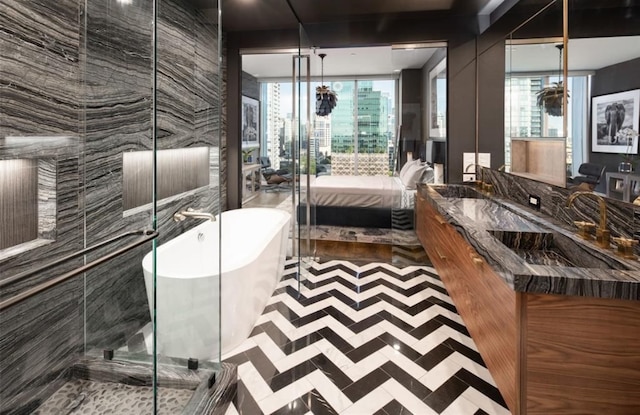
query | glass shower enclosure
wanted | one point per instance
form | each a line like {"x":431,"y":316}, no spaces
{"x":110,"y":128}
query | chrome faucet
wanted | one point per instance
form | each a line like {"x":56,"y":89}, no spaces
{"x":190,"y":213}
{"x":603,"y":236}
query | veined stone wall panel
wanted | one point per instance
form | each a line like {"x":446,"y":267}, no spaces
{"x":81,"y":81}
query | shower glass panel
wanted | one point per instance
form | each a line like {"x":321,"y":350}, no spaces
{"x":41,"y":336}
{"x":419,"y":135}
{"x":188,"y":267}
{"x":107,"y":129}
{"x":116,"y":67}
{"x":304,"y":160}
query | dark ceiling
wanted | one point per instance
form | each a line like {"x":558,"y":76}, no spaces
{"x":256,"y":15}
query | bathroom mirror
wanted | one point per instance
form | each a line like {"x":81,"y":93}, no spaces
{"x":604,"y":44}
{"x":601,"y":54}
{"x":535,"y":101}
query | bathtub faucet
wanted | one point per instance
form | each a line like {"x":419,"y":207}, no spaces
{"x":190,"y":213}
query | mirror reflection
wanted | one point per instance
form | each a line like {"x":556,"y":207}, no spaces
{"x":603,"y":59}
{"x":606,"y":109}
{"x":534,"y":97}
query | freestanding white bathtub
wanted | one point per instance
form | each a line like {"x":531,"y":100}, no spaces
{"x":188,"y":294}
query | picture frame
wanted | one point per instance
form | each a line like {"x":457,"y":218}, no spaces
{"x":610,"y":114}
{"x":436,"y":111}
{"x":250,"y":128}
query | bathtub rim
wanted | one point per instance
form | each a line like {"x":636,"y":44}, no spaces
{"x":147,"y":259}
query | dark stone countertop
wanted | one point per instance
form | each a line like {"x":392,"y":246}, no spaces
{"x":542,"y":257}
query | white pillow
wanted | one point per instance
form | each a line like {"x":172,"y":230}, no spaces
{"x":428,"y":175}
{"x":407,"y":165}
{"x":412,"y":175}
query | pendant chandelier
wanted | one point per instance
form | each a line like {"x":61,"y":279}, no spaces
{"x":326,"y":99}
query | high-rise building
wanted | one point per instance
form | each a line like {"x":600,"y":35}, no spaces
{"x":373,"y":110}
{"x":322,"y":134}
{"x":370,"y":109}
{"x":273,"y":119}
{"x":372,"y":119}
{"x":342,"y":129}
{"x":523,"y":117}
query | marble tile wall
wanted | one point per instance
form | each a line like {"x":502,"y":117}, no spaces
{"x":116,"y":298}
{"x":620,"y":215}
{"x":81,"y":81}
{"x":39,"y":113}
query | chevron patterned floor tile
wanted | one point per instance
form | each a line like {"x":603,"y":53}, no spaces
{"x":362,"y":339}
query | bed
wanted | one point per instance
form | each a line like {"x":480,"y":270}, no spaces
{"x":361,"y":201}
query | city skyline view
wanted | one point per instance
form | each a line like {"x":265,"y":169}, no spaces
{"x":363,"y":123}
{"x":286,"y":94}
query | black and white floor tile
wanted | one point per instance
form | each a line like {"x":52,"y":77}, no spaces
{"x":371,"y":339}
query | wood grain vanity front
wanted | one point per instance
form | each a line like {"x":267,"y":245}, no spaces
{"x":581,"y":355}
{"x":548,"y":354}
{"x":484,"y":301}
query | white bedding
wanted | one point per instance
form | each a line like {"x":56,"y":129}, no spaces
{"x":360,"y":191}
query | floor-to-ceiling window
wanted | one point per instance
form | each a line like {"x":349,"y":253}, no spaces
{"x":355,"y":139}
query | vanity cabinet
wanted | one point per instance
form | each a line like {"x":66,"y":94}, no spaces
{"x":484,"y":301}
{"x":548,"y":354}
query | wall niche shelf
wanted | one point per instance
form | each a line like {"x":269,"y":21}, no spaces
{"x":541,"y":159}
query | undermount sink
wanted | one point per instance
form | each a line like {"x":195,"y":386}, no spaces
{"x":555,"y":249}
{"x":457,"y":191}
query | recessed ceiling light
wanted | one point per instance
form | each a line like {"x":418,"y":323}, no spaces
{"x":396,"y":70}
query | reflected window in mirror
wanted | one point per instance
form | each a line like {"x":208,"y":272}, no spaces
{"x":525,"y":118}
{"x":577,"y":122}
{"x":534,"y":117}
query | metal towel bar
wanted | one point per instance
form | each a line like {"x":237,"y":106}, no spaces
{"x":148,"y":235}
{"x":32,"y":271}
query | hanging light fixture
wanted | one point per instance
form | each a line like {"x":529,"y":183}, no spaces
{"x":326,"y":99}
{"x":550,"y":97}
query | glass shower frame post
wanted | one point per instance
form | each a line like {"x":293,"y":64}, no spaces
{"x":302,"y":244}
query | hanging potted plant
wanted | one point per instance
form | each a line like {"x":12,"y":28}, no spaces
{"x":550,"y":99}
{"x":326,"y":99}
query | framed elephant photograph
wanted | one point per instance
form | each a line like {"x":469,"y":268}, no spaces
{"x":613,"y":116}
